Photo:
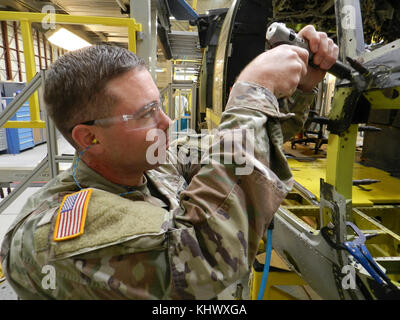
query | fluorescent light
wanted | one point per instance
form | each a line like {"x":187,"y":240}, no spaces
{"x":187,"y":72}
{"x":67,"y":40}
{"x":187,"y":69}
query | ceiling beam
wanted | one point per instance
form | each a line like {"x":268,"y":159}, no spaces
{"x":16,"y":5}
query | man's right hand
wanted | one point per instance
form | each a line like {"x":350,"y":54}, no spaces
{"x":279,"y":69}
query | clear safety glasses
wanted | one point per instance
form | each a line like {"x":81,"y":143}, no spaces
{"x":147,"y":117}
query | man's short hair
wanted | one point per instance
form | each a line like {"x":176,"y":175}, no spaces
{"x":75,"y":84}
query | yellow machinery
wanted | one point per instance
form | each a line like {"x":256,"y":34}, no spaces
{"x":315,"y":223}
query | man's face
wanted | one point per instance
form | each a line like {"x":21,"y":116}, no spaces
{"x":125,"y":146}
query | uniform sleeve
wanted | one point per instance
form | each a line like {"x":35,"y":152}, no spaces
{"x":292,"y":114}
{"x":299,"y":105}
{"x":239,"y":185}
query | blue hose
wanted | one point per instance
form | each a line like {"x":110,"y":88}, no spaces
{"x":266,"y":265}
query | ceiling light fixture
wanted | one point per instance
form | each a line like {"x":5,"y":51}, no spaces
{"x":67,"y":40}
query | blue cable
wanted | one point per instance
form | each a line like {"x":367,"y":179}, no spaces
{"x":266,"y":265}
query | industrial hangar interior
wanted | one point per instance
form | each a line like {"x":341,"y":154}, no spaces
{"x":336,"y":234}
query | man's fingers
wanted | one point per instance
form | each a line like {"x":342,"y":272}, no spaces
{"x":311,"y":35}
{"x":323,"y":48}
{"x":302,"y":53}
{"x":302,"y":59}
{"x":325,"y":63}
{"x":331,"y":56}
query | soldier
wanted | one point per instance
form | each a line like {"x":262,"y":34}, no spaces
{"x":119,"y":226}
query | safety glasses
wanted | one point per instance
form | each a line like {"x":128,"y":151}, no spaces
{"x":147,"y":117}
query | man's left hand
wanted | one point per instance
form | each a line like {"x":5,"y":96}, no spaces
{"x":325,"y":53}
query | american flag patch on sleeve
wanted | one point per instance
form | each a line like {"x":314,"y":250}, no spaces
{"x":72,"y":215}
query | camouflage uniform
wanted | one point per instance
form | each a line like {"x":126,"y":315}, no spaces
{"x":188,"y":232}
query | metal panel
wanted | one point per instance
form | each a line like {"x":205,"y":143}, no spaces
{"x":384,"y":156}
{"x":349,"y":27}
{"x":380,"y":116}
{"x":220,"y":64}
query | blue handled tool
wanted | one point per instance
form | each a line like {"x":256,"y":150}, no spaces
{"x":360,"y":252}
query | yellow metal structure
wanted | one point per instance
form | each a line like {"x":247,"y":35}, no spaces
{"x":308,"y":174}
{"x":275,"y":278}
{"x":27,"y":18}
{"x":341,"y":149}
{"x":1,"y":274}
{"x":384,"y":99}
{"x":190,"y":102}
{"x":281,"y":275}
{"x":30,"y":69}
{"x":212,"y":119}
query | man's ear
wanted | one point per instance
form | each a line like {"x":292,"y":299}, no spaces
{"x":84,"y":135}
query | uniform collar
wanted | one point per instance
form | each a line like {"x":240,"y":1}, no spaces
{"x":87,"y":177}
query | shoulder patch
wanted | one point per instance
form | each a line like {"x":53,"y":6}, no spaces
{"x":112,"y":220}
{"x":72,"y":215}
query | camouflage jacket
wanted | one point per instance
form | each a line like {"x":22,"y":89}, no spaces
{"x":191,"y":230}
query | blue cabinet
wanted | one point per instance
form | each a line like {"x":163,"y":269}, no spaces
{"x":19,"y":139}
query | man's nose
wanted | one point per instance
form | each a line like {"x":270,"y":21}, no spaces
{"x":165,"y":121}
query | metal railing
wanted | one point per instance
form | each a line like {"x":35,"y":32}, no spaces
{"x":27,"y":18}
{"x":167,"y":95}
{"x":35,"y":80}
{"x":52,"y":158}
